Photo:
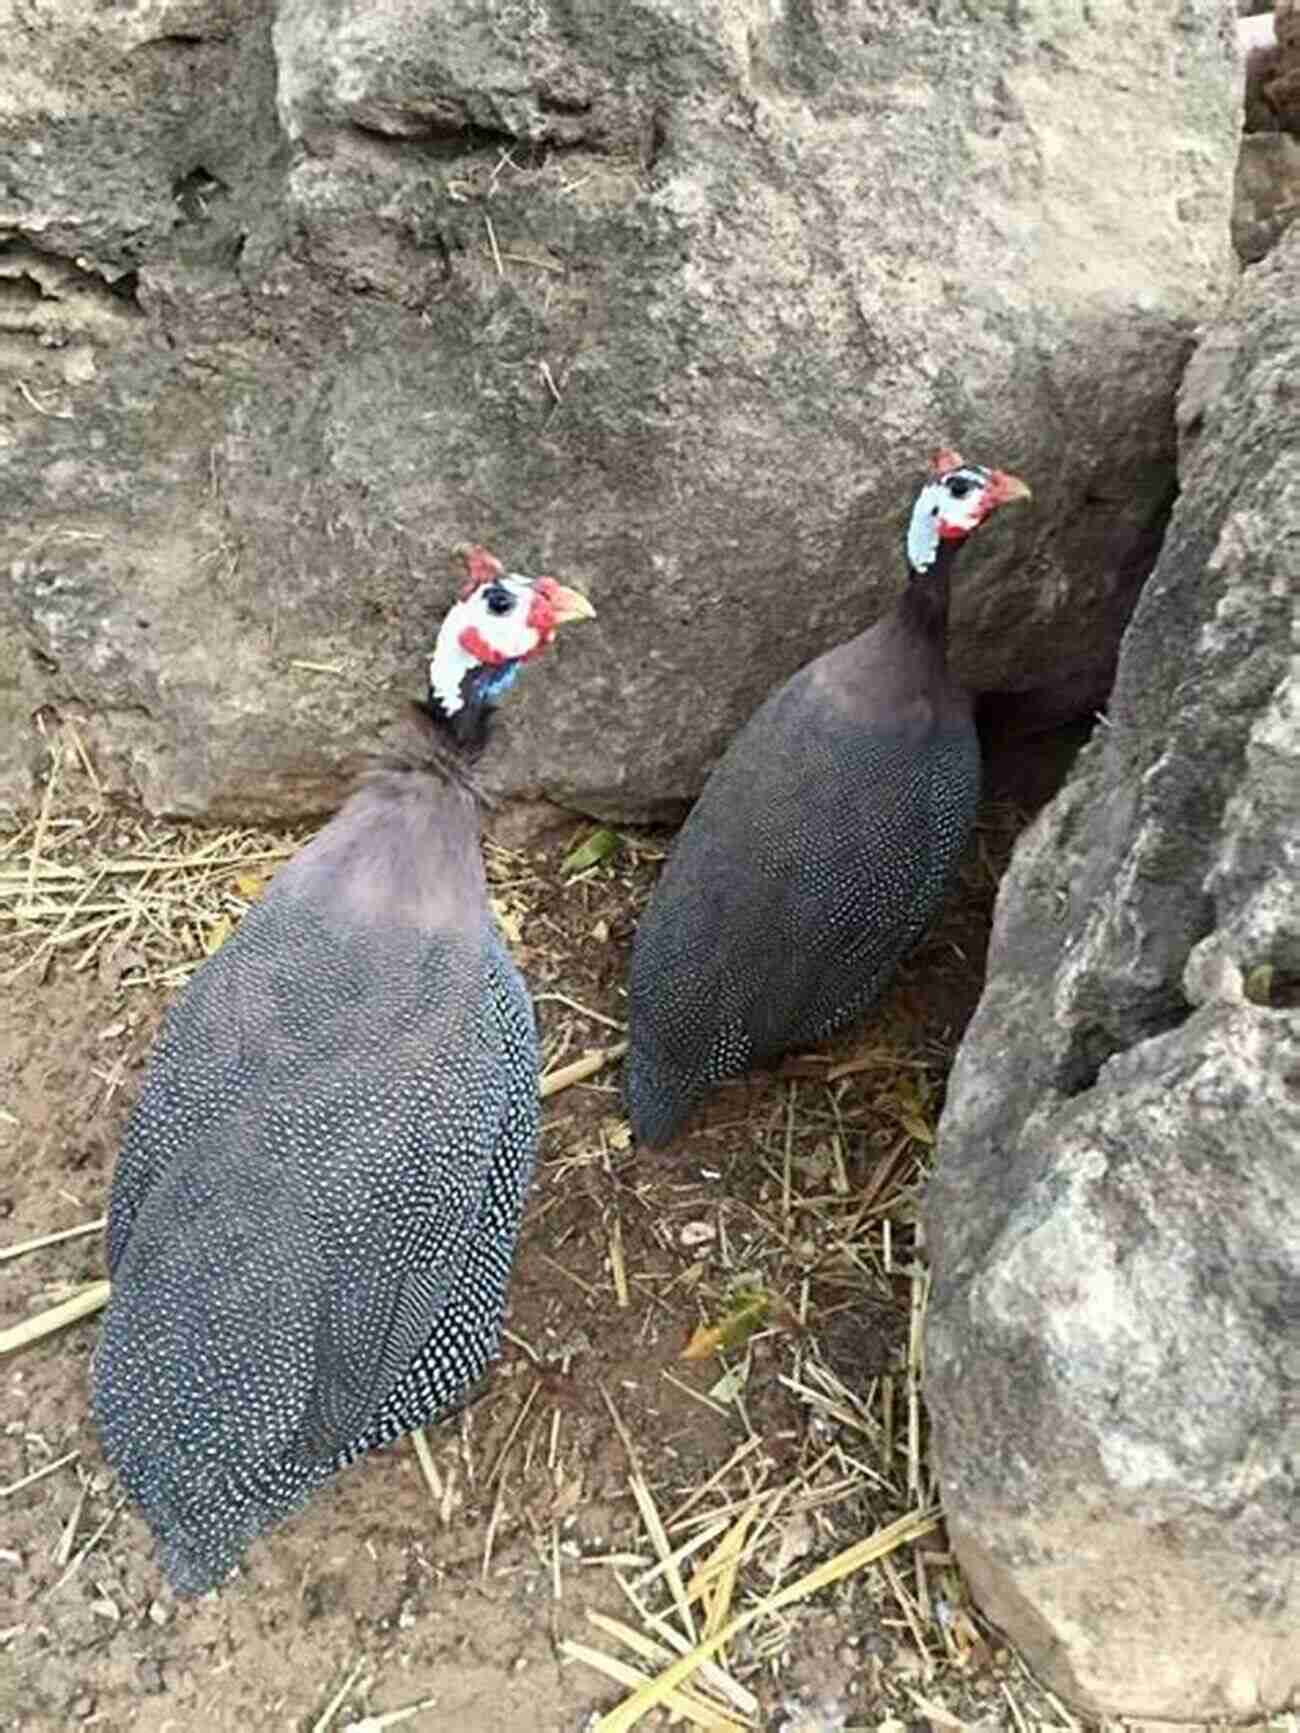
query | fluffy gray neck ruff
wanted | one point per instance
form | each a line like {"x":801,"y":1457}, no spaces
{"x":420,"y":744}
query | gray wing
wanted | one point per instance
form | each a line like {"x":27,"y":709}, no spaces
{"x":454,"y":1353}
{"x":302,"y":1178}
{"x":814,"y":858}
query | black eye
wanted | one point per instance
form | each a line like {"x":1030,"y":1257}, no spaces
{"x":959,"y":486}
{"x":499,"y":600}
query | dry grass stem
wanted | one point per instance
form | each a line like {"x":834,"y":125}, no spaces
{"x":42,"y":823}
{"x":424,"y":1455}
{"x":33,"y":402}
{"x":38,"y":1474}
{"x":625,"y":1437}
{"x":82,"y":1305}
{"x":690,"y":1707}
{"x":1017,"y":1714}
{"x":680,"y":1555}
{"x":90,"y":1545}
{"x":37,"y":1245}
{"x":854,"y":1558}
{"x":68,"y":1539}
{"x":489,"y":1538}
{"x":522,"y":1413}
{"x":909,"y":1611}
{"x":699,"y":1396}
{"x":336,"y":1702}
{"x":733,"y":1462}
{"x":537,"y":264}
{"x":391,"y":1717}
{"x":659,"y":1540}
{"x":711,"y":1673}
{"x":936,"y":1714}
{"x":580,"y":1069}
{"x":554,"y":998}
{"x":916,"y":1337}
{"x":618,"y":1270}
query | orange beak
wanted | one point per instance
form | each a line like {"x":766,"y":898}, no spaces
{"x":566,"y":604}
{"x":1004,"y":489}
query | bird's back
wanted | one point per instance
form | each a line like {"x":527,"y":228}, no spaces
{"x":812,"y":861}
{"x":314,"y":1210}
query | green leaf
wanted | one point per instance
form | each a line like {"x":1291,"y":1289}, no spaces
{"x":746,"y":1312}
{"x":598,"y":847}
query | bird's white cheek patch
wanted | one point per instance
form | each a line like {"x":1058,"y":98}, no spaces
{"x":923,"y":531}
{"x":472,"y":636}
{"x":958,"y":518}
{"x":937,"y":517}
{"x":448,"y":667}
{"x":509,"y":636}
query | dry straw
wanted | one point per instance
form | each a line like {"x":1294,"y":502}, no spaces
{"x":823,"y":1219}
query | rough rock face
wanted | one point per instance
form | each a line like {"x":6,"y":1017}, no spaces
{"x":1257,"y":40}
{"x":670,"y":297}
{"x":1284,"y":91}
{"x":1267,"y":199}
{"x":1270,"y":47}
{"x":1113,"y":1360}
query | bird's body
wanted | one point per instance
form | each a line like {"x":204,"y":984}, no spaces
{"x":315,"y":1208}
{"x":816,"y":856}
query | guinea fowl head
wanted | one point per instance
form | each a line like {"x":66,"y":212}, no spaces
{"x":502,"y":619}
{"x":954,"y":501}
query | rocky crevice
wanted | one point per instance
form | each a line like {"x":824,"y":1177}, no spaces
{"x":1115,"y":1187}
{"x":52,"y":299}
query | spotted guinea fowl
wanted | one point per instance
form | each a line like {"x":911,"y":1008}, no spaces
{"x":314,"y":1210}
{"x":822,"y":843}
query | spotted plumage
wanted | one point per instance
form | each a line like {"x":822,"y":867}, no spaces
{"x":315,"y":1207}
{"x":822,"y":843}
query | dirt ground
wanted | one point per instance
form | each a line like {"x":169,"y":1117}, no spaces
{"x":461,"y":1591}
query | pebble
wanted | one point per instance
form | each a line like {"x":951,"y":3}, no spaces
{"x":149,"y":1676}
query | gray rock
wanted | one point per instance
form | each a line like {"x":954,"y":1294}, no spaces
{"x":673,"y":303}
{"x":1284,"y":90}
{"x":1113,"y":1353}
{"x":1267,"y":198}
{"x":1258,"y":43}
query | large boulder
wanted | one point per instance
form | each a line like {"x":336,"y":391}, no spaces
{"x":1113,"y":1353}
{"x":670,"y":297}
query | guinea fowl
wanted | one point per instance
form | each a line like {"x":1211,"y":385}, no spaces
{"x":315,"y":1207}
{"x":822,"y":843}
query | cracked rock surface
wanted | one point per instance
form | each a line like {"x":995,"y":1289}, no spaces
{"x":1113,"y":1352}
{"x":670,"y":298}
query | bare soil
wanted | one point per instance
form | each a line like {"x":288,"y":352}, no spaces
{"x":803,"y":1187}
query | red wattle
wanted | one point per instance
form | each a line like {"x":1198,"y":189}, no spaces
{"x":541,"y":615}
{"x":474,"y":644}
